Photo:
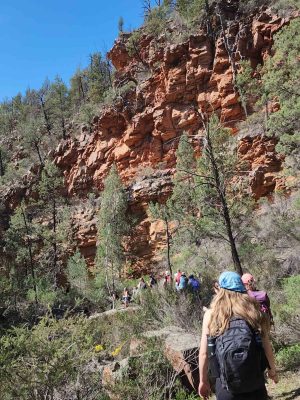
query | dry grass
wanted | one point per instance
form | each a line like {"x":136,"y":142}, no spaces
{"x":288,"y":387}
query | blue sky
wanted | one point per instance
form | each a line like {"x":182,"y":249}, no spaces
{"x":43,"y":38}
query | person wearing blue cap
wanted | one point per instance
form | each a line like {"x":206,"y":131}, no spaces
{"x":235,"y":346}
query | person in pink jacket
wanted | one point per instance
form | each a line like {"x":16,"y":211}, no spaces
{"x":260,"y":296}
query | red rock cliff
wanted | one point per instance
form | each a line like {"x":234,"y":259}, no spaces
{"x":139,"y":132}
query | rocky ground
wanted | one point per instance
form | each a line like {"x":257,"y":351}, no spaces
{"x":288,"y":388}
{"x":181,"y":349}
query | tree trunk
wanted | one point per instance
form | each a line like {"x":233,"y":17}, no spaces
{"x":266,"y":115}
{"x":225,"y":211}
{"x":111,"y":294}
{"x":210,"y":32}
{"x":1,"y":164}
{"x":62,"y":118}
{"x":31,"y":263}
{"x":227,"y":47}
{"x":46,"y":116}
{"x":234,"y":252}
{"x":39,"y":154}
{"x":81,"y":89}
{"x":168,"y":247}
{"x":54,"y":244}
{"x":109,"y":73}
{"x":63,"y":127}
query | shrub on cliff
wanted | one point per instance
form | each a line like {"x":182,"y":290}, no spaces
{"x":156,"y":21}
{"x":99,"y":78}
{"x":190,"y":9}
{"x":282,"y":83}
{"x":277,"y":89}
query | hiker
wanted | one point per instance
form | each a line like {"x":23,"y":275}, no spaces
{"x":238,"y":365}
{"x":177,"y":279}
{"x":153,"y":281}
{"x":167,"y":279}
{"x":260,"y":296}
{"x":113,"y":298}
{"x":183,"y":282}
{"x":194,"y":284}
{"x":126,"y":297}
{"x":142,"y":284}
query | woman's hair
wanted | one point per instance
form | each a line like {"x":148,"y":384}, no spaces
{"x":228,"y":304}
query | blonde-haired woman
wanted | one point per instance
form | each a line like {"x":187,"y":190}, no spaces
{"x":233,"y":314}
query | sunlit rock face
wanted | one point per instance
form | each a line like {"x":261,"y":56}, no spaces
{"x":140,"y":131}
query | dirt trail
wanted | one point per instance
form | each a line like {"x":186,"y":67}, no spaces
{"x":288,"y":387}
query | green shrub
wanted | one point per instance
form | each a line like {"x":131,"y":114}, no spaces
{"x":292,"y":295}
{"x":190,"y":9}
{"x":247,"y":6}
{"x":146,"y":377}
{"x":289,"y":357}
{"x":132,"y":44}
{"x":181,"y":394}
{"x":51,"y":357}
{"x":86,"y":114}
{"x":284,"y":7}
{"x":156,"y":21}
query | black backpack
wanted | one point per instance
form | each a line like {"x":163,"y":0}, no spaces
{"x":241,"y":358}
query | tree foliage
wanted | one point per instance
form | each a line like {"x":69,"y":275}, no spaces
{"x":282,"y":83}
{"x":99,"y":79}
{"x":112,"y":227}
{"x":219,"y":195}
{"x":48,"y":359}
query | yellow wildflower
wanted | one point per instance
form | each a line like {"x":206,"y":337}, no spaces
{"x":118,"y":349}
{"x":98,"y":348}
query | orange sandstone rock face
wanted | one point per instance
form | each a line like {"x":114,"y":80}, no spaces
{"x":140,"y":131}
{"x":264,"y":164}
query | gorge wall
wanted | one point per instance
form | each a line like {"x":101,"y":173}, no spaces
{"x":171,"y":84}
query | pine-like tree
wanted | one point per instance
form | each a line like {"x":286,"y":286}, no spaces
{"x":77,"y":273}
{"x":78,"y":89}
{"x":50,"y":206}
{"x":181,"y":206}
{"x":98,"y":78}
{"x":59,"y":103}
{"x":182,"y":201}
{"x":20,"y":249}
{"x":121,"y":25}
{"x":220,"y":200}
{"x":112,"y":227}
{"x":32,"y":136}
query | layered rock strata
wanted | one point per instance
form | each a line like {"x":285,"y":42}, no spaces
{"x":175,"y":84}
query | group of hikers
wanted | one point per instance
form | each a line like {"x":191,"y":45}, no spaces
{"x":181,"y":281}
{"x":235,"y":349}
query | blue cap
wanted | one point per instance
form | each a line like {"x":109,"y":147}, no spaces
{"x":232,"y":281}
